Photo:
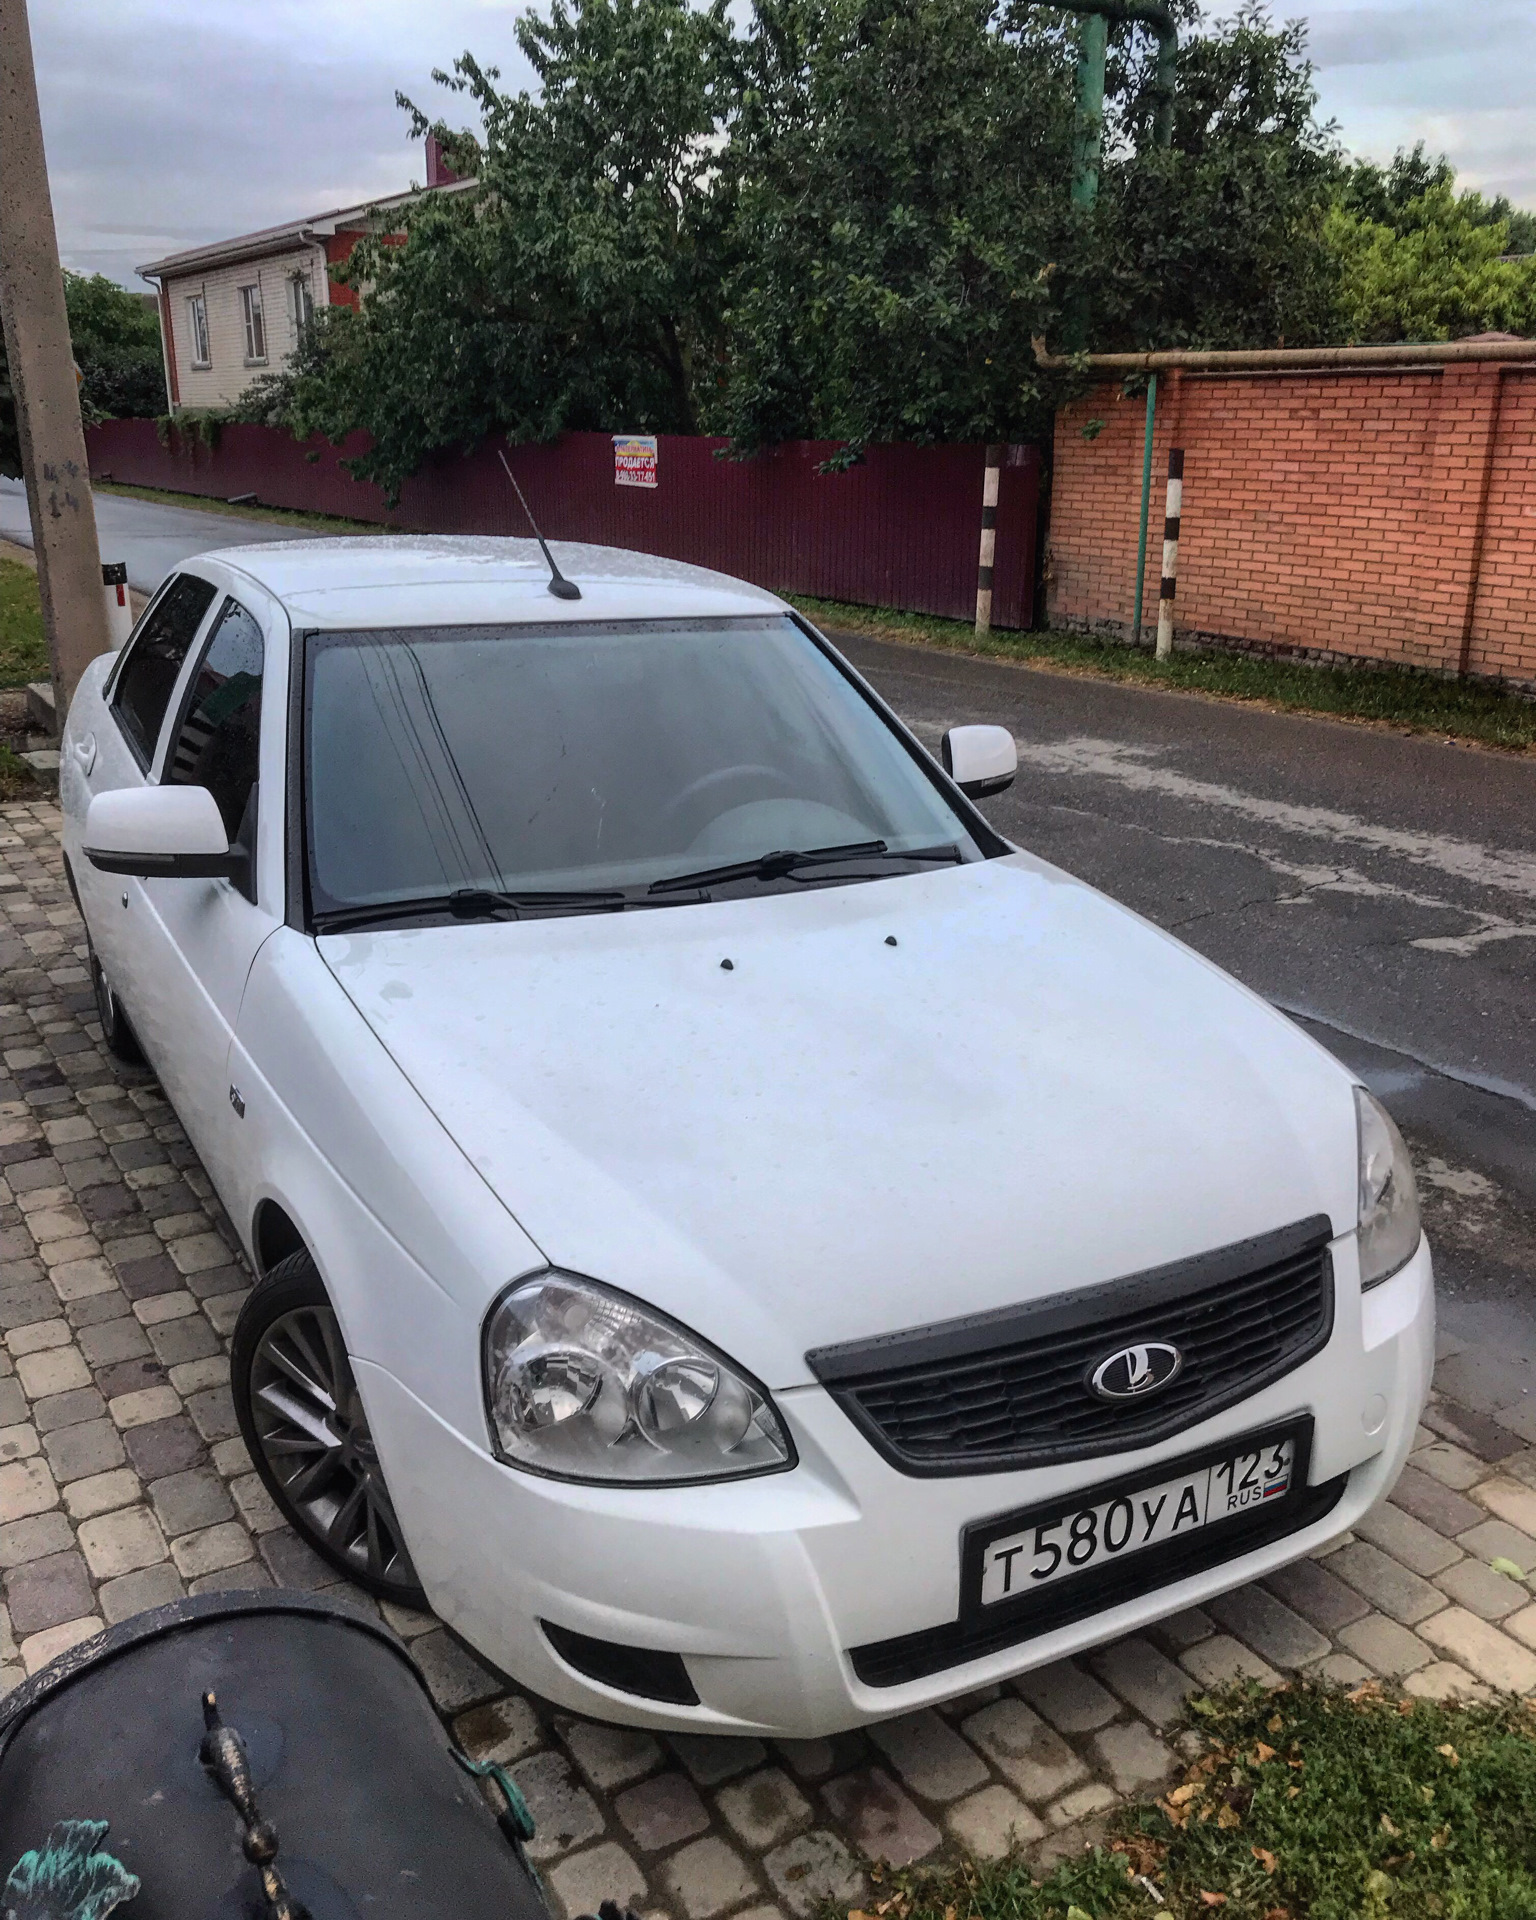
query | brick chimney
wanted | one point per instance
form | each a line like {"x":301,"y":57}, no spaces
{"x":439,"y":173}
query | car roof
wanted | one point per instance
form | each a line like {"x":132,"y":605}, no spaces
{"x":407,"y":580}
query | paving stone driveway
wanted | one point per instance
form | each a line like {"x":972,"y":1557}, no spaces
{"x":123,"y":1484}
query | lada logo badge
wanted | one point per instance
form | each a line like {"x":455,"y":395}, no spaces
{"x":1134,"y":1372}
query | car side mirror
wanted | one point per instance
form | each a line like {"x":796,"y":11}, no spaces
{"x":174,"y":833}
{"x":980,"y":760}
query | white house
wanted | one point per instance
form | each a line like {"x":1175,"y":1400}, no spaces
{"x":234,"y":310}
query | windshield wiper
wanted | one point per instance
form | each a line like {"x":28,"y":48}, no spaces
{"x":788,"y":861}
{"x":469,"y":903}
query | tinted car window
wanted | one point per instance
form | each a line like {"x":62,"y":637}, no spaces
{"x":592,"y":755}
{"x":147,"y":677}
{"x":217,"y":744}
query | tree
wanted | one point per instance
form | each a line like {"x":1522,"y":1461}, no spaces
{"x":900,"y":169}
{"x":579,"y":284}
{"x":1415,"y":260}
{"x":116,"y":340}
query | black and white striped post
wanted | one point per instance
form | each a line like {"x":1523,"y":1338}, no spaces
{"x":989,"y":488}
{"x":1173,"y":512}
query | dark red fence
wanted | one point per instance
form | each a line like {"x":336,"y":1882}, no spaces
{"x":899,"y":530}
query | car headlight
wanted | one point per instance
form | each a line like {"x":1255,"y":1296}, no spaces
{"x":586,"y":1384}
{"x":1389,"y":1196}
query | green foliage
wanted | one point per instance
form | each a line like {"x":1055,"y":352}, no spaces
{"x":845,"y":219}
{"x":23,"y":648}
{"x":1309,"y":1802}
{"x":116,"y":339}
{"x":1415,"y":260}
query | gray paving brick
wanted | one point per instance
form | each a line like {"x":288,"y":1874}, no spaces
{"x":1269,"y":1626}
{"x":46,"y":1593}
{"x":993,"y":1823}
{"x":455,"y":1676}
{"x":929,"y":1756}
{"x":1498,"y":1540}
{"x":113,"y":1340}
{"x":1027,"y":1752}
{"x":1132,"y":1755}
{"x":1437,"y":1505}
{"x":1386,"y":1584}
{"x":707,"y":1879}
{"x":1070,"y":1699}
{"x":1385,"y":1647}
{"x":502,"y":1730}
{"x":610,"y":1757}
{"x":879,"y":1818}
{"x":1408,"y":1540}
{"x":212,"y":1412}
{"x":1221,"y":1659}
{"x":67,"y":1409}
{"x":763,"y":1809}
{"x":76,"y":1453}
{"x":1483,"y":1650}
{"x":1477,"y":1433}
{"x":814,"y":1868}
{"x":177,"y":1341}
{"x":1490,"y":1595}
{"x":711,"y":1758}
{"x":1317,"y":1595}
{"x":133,"y":1593}
{"x":163,"y":1447}
{"x":564,"y":1812}
{"x":1187,"y":1628}
{"x":607,"y":1872}
{"x":186,"y":1501}
{"x":1145,"y":1679}
{"x":661,"y":1812}
{"x":33,"y":1536}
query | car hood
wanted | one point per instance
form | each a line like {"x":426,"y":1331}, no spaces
{"x":795,"y":1119}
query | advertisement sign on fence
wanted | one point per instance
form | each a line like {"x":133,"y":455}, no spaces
{"x":634,"y":459}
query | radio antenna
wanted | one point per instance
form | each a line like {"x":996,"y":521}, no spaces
{"x":559,"y":586}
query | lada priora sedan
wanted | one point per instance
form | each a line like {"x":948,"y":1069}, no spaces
{"x":755,"y":1250}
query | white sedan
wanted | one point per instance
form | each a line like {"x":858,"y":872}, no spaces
{"x":756,"y":1251}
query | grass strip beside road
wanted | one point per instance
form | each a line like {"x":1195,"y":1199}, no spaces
{"x":1383,"y":696}
{"x":1309,"y":1803}
{"x":23,"y":650}
{"x":281,"y":516}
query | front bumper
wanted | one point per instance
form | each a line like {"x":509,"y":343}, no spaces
{"x":763,"y":1585}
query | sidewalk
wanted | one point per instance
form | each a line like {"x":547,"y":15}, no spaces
{"x":123,"y":1484}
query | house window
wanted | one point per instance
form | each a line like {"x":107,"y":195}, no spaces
{"x":301,"y":304}
{"x":255,"y":326}
{"x":197,"y":322}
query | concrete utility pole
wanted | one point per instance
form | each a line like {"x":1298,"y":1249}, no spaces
{"x":43,"y":376}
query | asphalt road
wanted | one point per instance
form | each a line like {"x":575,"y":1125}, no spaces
{"x":151,"y":537}
{"x":1380,"y":888}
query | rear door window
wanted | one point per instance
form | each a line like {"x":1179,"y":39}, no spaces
{"x":217,"y":745}
{"x":147,"y":678}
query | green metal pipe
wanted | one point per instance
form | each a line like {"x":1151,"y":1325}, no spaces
{"x":1088,"y":128}
{"x":1146,"y":495}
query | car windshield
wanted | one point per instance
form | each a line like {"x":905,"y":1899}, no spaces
{"x":600,"y":758}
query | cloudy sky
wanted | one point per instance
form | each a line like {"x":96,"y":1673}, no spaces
{"x":173,"y":122}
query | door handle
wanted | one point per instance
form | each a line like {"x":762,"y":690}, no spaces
{"x":84,"y":751}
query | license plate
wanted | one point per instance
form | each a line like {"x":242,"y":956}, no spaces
{"x":1113,"y":1525}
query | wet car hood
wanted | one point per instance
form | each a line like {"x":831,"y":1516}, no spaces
{"x":903,"y":1100}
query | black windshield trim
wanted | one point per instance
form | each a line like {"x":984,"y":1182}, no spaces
{"x":313,"y":641}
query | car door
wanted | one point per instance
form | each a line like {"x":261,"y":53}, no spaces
{"x":197,"y":938}
{"x":114,"y":727}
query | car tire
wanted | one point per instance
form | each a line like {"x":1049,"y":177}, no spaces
{"x":116,"y":1033}
{"x":303,"y":1422}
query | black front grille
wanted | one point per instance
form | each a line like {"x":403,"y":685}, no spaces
{"x":1010,"y":1389}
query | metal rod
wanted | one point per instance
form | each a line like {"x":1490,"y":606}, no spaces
{"x":1146,"y":500}
{"x":989,"y":491}
{"x":1175,"y":509}
{"x":1243,"y":360}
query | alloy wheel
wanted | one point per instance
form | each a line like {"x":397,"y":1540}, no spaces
{"x":313,"y":1434}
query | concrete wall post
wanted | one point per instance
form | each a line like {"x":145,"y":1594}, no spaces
{"x":42,"y":367}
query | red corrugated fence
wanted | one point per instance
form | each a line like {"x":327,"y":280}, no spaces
{"x":901,"y":529}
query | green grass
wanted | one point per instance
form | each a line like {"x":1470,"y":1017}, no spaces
{"x":23,"y":650}
{"x":1310,"y":1804}
{"x":199,"y":503}
{"x":1388,"y":696}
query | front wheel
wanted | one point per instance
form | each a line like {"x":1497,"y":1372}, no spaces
{"x":303,"y":1422}
{"x":115,"y":1030}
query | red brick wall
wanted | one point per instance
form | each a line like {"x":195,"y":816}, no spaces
{"x":1378,"y":515}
